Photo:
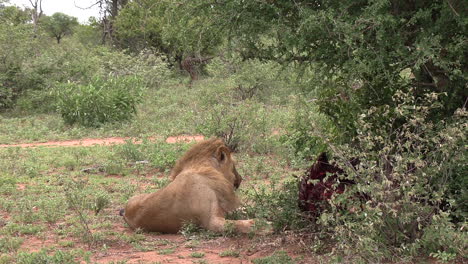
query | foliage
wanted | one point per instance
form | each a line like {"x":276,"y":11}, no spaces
{"x":236,"y":123}
{"x":299,"y":140}
{"x":88,"y":34}
{"x":229,"y":253}
{"x":169,"y":27}
{"x":17,"y":48}
{"x":279,"y":257}
{"x":58,"y":25}
{"x":361,"y":52}
{"x":158,"y":154}
{"x":30,"y":67}
{"x":42,"y":257}
{"x":14,"y":16}
{"x":10,"y":244}
{"x":99,"y":102}
{"x":248,"y":79}
{"x":275,"y":202}
{"x":407,"y":173}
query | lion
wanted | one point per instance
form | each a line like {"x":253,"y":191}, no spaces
{"x":201,"y":192}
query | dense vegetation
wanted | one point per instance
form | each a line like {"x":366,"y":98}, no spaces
{"x":384,"y":82}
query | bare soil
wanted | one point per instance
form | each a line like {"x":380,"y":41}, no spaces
{"x":86,"y":142}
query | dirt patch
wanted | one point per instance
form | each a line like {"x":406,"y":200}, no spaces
{"x":177,"y":249}
{"x":87,"y":142}
{"x":185,"y":138}
{"x":20,"y":186}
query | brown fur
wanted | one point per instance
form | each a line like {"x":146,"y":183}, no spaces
{"x":202,"y":192}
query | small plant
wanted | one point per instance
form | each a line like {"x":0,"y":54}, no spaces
{"x":42,"y":257}
{"x":52,"y":208}
{"x":101,"y":201}
{"x":133,"y":238}
{"x":192,"y":243}
{"x":197,"y":254}
{"x":443,"y":256}
{"x":276,"y":202}
{"x":27,"y":229}
{"x":229,"y":229}
{"x":10,"y":244}
{"x":131,"y":151}
{"x":189,"y":229}
{"x":279,"y":257}
{"x":166,"y":251}
{"x":67,"y":243}
{"x":77,"y":201}
{"x":229,"y":253}
{"x":99,"y":102}
{"x":24,"y":210}
{"x":161,"y":182}
{"x":114,"y":168}
{"x":163,"y":155}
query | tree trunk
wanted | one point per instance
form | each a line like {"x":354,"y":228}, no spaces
{"x":37,"y":13}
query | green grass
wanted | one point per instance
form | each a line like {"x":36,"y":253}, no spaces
{"x":70,"y":195}
{"x":229,"y":253}
{"x":197,"y":254}
{"x":169,"y":110}
{"x":166,"y":251}
{"x":279,"y":257}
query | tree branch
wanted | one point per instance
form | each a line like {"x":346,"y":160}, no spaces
{"x":453,"y":9}
{"x":84,"y":8}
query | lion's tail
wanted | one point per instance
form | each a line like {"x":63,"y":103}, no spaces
{"x":122,"y":212}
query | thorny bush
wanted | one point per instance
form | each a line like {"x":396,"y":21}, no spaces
{"x":412,"y":169}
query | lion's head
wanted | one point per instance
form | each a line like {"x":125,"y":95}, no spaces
{"x":213,"y":153}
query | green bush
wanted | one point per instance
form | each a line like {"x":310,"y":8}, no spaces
{"x":302,"y":140}
{"x":275,"y":202}
{"x":17,"y":48}
{"x":237,"y":123}
{"x":408,"y":172}
{"x":253,"y":79}
{"x":98,"y":102}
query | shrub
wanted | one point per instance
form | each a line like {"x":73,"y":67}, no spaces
{"x":252,"y":79}
{"x":275,"y":202}
{"x":236,"y":123}
{"x":301,"y":140}
{"x":98,"y":102}
{"x":17,"y":49}
{"x":407,"y":170}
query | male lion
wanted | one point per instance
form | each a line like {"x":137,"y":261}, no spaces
{"x":201,"y":192}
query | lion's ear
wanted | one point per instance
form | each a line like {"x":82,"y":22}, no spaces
{"x":222,"y":154}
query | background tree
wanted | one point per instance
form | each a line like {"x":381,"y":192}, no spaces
{"x":361,"y":52}
{"x":183,"y":31}
{"x":36,"y":13}
{"x":16,"y":47}
{"x":89,"y":33}
{"x":109,"y":10}
{"x":59,"y":25}
{"x":13,"y":15}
